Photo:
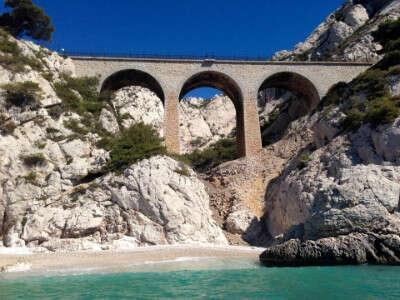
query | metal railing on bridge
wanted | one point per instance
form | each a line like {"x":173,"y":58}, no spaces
{"x":144,"y":55}
{"x":166,"y":56}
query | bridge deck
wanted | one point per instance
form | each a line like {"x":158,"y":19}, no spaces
{"x":221,"y":61}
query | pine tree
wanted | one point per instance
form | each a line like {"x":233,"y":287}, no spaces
{"x":26,"y":19}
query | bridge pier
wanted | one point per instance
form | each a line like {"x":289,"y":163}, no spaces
{"x":248,"y":134}
{"x":171,"y":79}
{"x":252,"y":134}
{"x":171,"y":130}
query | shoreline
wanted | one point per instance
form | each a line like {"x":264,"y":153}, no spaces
{"x":141,"y":259}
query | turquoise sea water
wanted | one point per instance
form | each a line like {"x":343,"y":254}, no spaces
{"x":243,"y":281}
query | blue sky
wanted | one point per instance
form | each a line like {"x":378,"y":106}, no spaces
{"x":221,"y":27}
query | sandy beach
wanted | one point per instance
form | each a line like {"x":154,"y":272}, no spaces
{"x":139,"y":259}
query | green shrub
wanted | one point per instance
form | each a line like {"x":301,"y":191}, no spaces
{"x":80,"y":191}
{"x":182,"y":171}
{"x":17,"y":63}
{"x":382,"y":111}
{"x":31,"y":178}
{"x":48,"y":76}
{"x":303,"y":160}
{"x":196,"y":142}
{"x":376,"y":112}
{"x":85,"y":86}
{"x":40,"y":145}
{"x":12,"y":57}
{"x":51,"y":130}
{"x":24,"y":221}
{"x":222,"y":151}
{"x":335,"y":95}
{"x":394,"y":71}
{"x":372,"y":82}
{"x":80,"y":96}
{"x":389,"y":60}
{"x":32,"y":160}
{"x":8,"y":127}
{"x":9,"y":47}
{"x":22,"y":93}
{"x":56,"y":111}
{"x":75,"y":126}
{"x":138,"y":142}
{"x":354,"y":119}
{"x":388,"y":34}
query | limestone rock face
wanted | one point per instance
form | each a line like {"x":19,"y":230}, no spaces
{"x":59,"y":201}
{"x":239,"y":221}
{"x":203,"y":122}
{"x":349,"y":27}
{"x":137,"y":104}
{"x":337,"y":201}
{"x":352,"y":182}
{"x":151,"y":203}
{"x":356,"y":16}
{"x":172,"y":207}
{"x":108,"y":121}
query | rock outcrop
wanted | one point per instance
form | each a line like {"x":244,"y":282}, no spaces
{"x":151,"y":203}
{"x":345,"y":35}
{"x":351,"y":249}
{"x":53,"y":195}
{"x":204,"y":122}
{"x":337,"y":202}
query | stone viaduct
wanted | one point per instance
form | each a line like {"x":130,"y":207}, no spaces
{"x":171,"y":79}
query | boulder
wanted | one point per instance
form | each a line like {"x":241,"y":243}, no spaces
{"x":342,"y":250}
{"x":356,"y":16}
{"x":108,"y":121}
{"x":162,"y":204}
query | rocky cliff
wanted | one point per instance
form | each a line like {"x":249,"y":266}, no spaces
{"x":53,"y":194}
{"x":345,"y":35}
{"x":337,"y":201}
{"x":324,"y":190}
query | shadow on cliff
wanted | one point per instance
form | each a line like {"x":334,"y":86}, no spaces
{"x":255,"y":235}
{"x":264,"y":237}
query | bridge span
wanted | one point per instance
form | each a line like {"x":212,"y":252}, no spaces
{"x":171,"y":79}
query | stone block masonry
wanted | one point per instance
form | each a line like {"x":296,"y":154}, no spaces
{"x":170,"y":79}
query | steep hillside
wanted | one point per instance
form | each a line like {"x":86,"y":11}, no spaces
{"x":66,"y":179}
{"x":338,"y":200}
{"x":345,"y":35}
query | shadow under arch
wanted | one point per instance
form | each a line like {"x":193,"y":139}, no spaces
{"x":304,"y":98}
{"x":296,"y":83}
{"x":227,"y":85}
{"x":132,"y":77}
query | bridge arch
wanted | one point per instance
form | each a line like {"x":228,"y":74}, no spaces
{"x":215,"y":79}
{"x":226,"y":84}
{"x":133,"y":77}
{"x":303,"y":98}
{"x":294,"y":82}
